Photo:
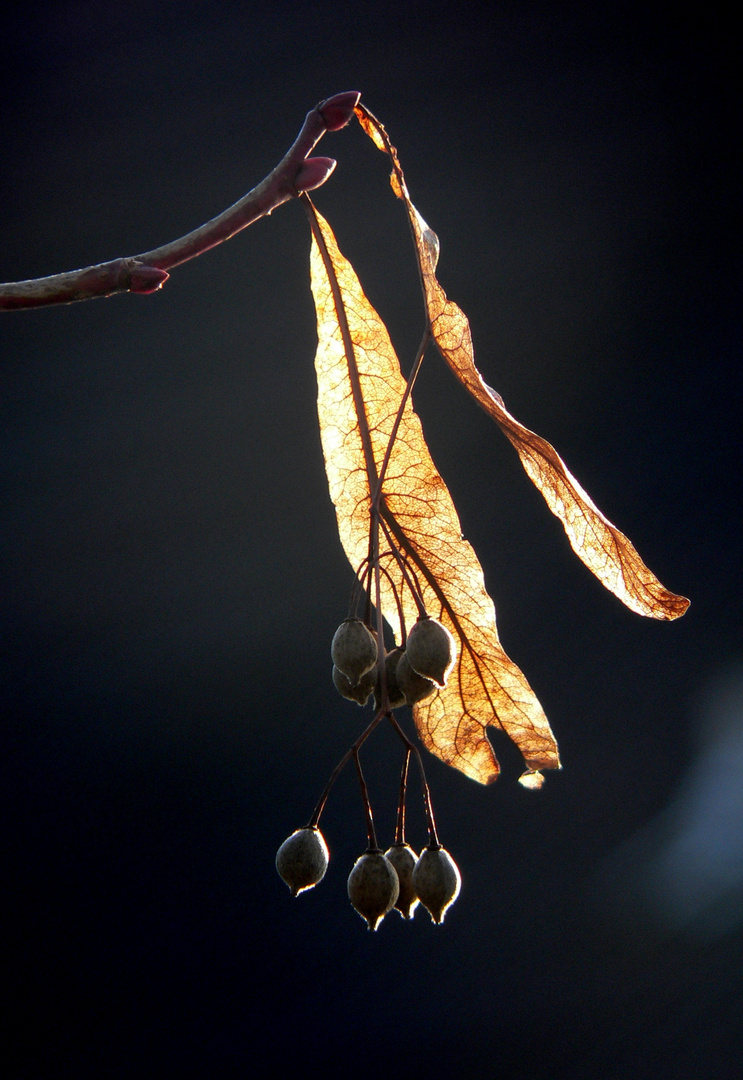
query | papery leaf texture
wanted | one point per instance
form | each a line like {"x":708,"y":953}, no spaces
{"x":605,"y":550}
{"x":360,"y":390}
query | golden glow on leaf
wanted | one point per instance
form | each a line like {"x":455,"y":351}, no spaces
{"x":420,"y":520}
{"x":600,"y":545}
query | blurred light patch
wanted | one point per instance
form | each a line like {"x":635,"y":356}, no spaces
{"x":686,"y":866}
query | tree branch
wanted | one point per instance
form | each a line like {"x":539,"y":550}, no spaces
{"x":148,"y":272}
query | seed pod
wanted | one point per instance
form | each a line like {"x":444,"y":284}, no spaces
{"x":302,"y":859}
{"x":360,"y":692}
{"x":394,"y":693}
{"x":373,"y":887}
{"x":354,"y":649}
{"x":431,"y":650}
{"x":436,"y":881}
{"x":412,"y":685}
{"x":403,"y":858}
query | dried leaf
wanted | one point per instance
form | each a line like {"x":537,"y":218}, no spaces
{"x":602,"y":547}
{"x":360,"y":389}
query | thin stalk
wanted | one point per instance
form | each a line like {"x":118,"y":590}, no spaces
{"x":361,"y":583}
{"x":379,"y":716}
{"x":405,"y":545}
{"x":400,"y":826}
{"x":433,"y":838}
{"x":360,"y":111}
{"x":372,"y":844}
{"x":398,"y":601}
{"x":375,"y":514}
{"x":384,"y":698}
{"x":377,"y":493}
{"x":405,"y":571}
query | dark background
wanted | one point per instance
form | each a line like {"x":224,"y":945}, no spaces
{"x":172,"y":577}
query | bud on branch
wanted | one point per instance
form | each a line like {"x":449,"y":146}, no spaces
{"x":147,"y":273}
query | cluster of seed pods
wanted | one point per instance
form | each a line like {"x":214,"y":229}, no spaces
{"x":411,"y":673}
{"x":396,"y":879}
{"x":378,"y":883}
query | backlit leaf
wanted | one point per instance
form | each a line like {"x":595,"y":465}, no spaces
{"x":360,"y":389}
{"x":602,"y":547}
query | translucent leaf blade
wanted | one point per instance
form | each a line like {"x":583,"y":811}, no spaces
{"x":606,"y":551}
{"x":486,"y":687}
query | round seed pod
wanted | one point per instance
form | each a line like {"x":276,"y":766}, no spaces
{"x":436,"y":881}
{"x":302,"y":859}
{"x":373,"y":887}
{"x":431,"y":650}
{"x":414,"y":686}
{"x":403,"y":858}
{"x":354,"y":649}
{"x":358,"y":693}
{"x":394,"y":693}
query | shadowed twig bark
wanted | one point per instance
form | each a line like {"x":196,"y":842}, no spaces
{"x":146,"y":273}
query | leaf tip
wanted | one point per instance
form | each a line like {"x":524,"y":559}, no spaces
{"x":532,"y":779}
{"x":680,"y":607}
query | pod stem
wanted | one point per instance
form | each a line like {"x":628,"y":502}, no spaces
{"x":400,"y":826}
{"x":370,"y":830}
{"x":433,"y":838}
{"x":352,"y":750}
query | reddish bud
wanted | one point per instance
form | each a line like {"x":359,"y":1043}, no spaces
{"x":336,"y":111}
{"x":313,"y":172}
{"x":147,"y":279}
